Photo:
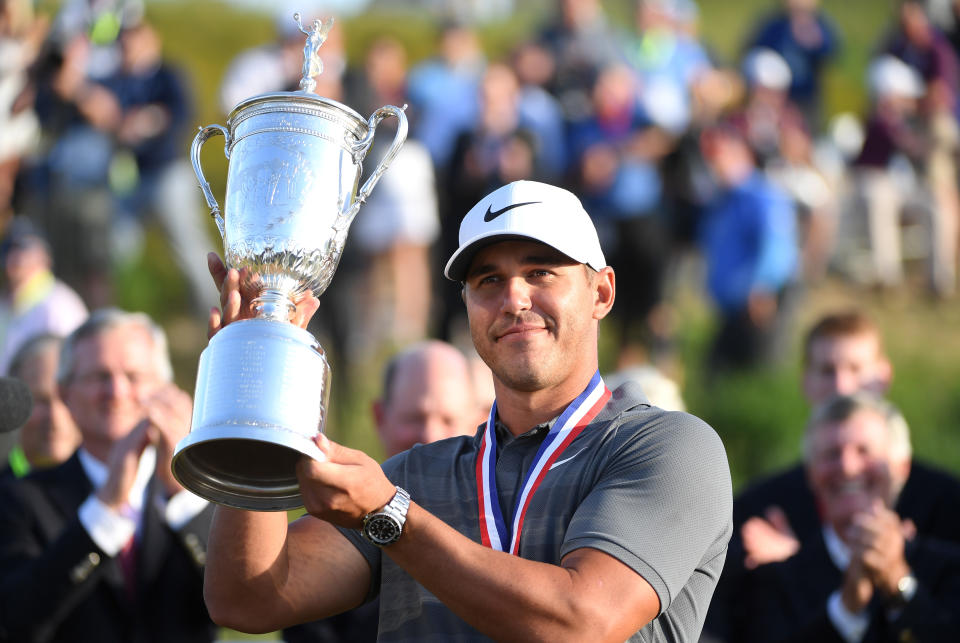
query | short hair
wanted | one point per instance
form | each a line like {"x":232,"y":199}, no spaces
{"x":104,"y":319}
{"x":29,"y":350}
{"x":840,"y":408}
{"x":848,"y":323}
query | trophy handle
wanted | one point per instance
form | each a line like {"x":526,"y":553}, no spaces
{"x":202,"y":136}
{"x":360,"y":150}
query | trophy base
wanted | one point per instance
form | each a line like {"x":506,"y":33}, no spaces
{"x":260,"y":402}
{"x":244,"y":467}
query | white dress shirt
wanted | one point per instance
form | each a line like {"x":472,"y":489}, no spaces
{"x":112,"y":529}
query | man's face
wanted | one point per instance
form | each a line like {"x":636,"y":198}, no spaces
{"x":50,"y":435}
{"x":843,"y":365}
{"x":533,"y":313}
{"x":850,"y":466}
{"x":114,"y":374}
{"x":431,"y":400}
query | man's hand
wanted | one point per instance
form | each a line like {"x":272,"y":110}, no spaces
{"x":122,"y":465}
{"x":346,"y":487}
{"x":237,"y":294}
{"x":878,"y":537}
{"x":168,"y":413}
{"x":768,"y":540}
{"x":857,"y":589}
{"x":167,"y":421}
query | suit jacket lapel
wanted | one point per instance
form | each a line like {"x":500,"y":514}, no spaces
{"x":71,"y":487}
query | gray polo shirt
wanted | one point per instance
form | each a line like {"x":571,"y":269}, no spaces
{"x":649,"y":487}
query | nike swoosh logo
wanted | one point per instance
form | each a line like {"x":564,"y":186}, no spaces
{"x":565,"y":460}
{"x":491,"y":215}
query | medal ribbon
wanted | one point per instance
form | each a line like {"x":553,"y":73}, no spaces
{"x":573,"y":420}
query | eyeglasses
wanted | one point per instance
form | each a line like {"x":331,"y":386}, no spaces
{"x":97,"y":379}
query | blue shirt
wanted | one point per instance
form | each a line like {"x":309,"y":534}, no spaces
{"x":749,"y":240}
{"x":446,"y":98}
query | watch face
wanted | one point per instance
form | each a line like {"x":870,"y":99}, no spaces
{"x":382,"y":530}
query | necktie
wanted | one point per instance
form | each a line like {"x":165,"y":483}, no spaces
{"x":128,"y":565}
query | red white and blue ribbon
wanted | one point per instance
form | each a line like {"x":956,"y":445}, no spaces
{"x":573,"y":420}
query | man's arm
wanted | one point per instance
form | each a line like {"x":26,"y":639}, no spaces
{"x":589,"y":596}
{"x":263,"y":574}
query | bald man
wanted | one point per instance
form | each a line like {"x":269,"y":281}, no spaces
{"x":428,"y":395}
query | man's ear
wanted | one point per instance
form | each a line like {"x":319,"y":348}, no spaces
{"x":605,"y":290}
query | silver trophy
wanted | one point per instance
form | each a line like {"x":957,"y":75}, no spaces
{"x":262,"y":392}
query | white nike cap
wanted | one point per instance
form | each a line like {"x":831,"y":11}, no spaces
{"x":527,"y":210}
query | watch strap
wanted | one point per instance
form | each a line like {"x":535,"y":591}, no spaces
{"x":394,"y":512}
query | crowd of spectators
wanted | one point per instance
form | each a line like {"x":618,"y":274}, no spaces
{"x":682,"y":158}
{"x":674,"y":152}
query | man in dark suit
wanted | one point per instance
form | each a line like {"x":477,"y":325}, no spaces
{"x":867,"y":575}
{"x":108,"y":546}
{"x":843,"y":353}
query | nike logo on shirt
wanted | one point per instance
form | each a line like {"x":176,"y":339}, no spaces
{"x":491,"y":214}
{"x":565,"y":460}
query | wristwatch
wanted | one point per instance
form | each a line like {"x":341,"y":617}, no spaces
{"x":906,"y":590}
{"x":384,"y":526}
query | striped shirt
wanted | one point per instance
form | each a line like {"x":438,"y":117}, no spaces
{"x":649,"y":487}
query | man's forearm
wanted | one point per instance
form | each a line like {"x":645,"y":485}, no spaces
{"x":245,"y":565}
{"x":511,"y":598}
{"x":263,"y":574}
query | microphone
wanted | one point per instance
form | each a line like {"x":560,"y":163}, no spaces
{"x":16,"y":403}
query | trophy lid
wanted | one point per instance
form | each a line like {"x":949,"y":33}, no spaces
{"x":295,"y":98}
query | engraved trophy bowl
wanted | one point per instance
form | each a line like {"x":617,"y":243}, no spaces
{"x":262,"y":392}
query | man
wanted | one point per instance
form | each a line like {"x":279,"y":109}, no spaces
{"x":599,"y":489}
{"x":36,"y":301}
{"x":749,"y":242}
{"x":151,"y":111}
{"x":772,"y":518}
{"x":427,"y":396}
{"x":807,"y":40}
{"x":107,"y":546}
{"x":50,"y":435}
{"x":864,"y":577}
{"x":843,"y":354}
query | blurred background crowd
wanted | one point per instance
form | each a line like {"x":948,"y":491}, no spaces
{"x":774,"y":181}
{"x":748,"y":166}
